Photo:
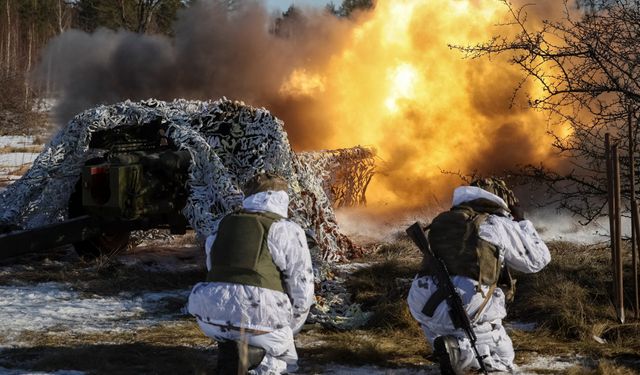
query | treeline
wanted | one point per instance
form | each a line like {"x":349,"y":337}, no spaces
{"x":26,"y":26}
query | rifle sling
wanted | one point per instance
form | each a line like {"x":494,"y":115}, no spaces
{"x":434,"y":301}
{"x":475,"y":318}
{"x":441,"y":294}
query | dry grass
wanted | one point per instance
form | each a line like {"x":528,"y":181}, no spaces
{"x":386,"y":348}
{"x":102,"y":276}
{"x":14,"y":149}
{"x":604,"y":368}
{"x":20,"y":170}
{"x":40,"y":139}
{"x":569,"y":300}
{"x":184,"y":332}
{"x":392,"y":338}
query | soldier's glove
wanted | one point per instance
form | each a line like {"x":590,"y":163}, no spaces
{"x":517,"y":212}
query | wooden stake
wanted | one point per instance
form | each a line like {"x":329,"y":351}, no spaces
{"x":635,"y":220}
{"x":615,"y":160}
{"x":634,"y":214}
{"x":610,"y":204}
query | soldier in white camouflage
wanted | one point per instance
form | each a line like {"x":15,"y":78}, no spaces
{"x":479,"y":239}
{"x":259,"y":286}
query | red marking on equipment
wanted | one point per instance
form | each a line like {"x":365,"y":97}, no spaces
{"x":98,"y":170}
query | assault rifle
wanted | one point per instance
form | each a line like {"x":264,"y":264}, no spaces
{"x":438,"y":269}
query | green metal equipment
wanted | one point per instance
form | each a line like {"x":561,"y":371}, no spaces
{"x":137,"y":181}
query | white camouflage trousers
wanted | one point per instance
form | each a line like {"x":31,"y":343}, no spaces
{"x":281,"y":353}
{"x":493,"y":344}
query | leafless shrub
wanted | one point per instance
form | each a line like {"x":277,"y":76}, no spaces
{"x":587,"y":66}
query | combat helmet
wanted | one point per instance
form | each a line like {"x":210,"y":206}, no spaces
{"x":264,"y":181}
{"x":498,"y":187}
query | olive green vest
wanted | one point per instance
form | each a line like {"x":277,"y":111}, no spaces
{"x":454,"y":238}
{"x":240,"y":253}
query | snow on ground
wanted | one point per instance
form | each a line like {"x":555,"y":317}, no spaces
{"x":552,"y":363}
{"x":57,"y":307}
{"x":17,"y":140}
{"x":10,"y":162}
{"x":520,"y":326}
{"x":16,"y":159}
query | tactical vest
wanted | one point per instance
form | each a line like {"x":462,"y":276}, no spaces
{"x":240,"y":253}
{"x":454,"y":238}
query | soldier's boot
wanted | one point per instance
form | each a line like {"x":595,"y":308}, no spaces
{"x":446,"y":350}
{"x":236,"y":357}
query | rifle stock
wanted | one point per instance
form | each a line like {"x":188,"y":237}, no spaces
{"x":441,"y":277}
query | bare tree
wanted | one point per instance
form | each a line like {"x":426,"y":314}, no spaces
{"x":587,"y":65}
{"x":145,"y":10}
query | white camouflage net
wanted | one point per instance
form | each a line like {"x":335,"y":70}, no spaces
{"x":346,"y":173}
{"x":229,"y":142}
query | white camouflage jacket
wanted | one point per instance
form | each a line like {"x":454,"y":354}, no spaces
{"x":521,"y":249}
{"x":251,"y":307}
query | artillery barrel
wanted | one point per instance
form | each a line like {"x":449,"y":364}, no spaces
{"x":48,"y":236}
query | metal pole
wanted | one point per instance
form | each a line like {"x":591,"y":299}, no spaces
{"x":610,"y":204}
{"x":618,"y":233}
{"x":634,"y":213}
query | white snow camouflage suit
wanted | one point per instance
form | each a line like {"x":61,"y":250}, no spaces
{"x":267,"y":318}
{"x":521,"y":249}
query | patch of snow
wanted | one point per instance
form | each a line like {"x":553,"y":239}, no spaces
{"x":546,"y":363}
{"x":520,"y":326}
{"x":17,"y":140}
{"x":6,"y":371}
{"x":57,"y":307}
{"x":16,"y":159}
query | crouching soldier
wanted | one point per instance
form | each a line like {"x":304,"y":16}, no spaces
{"x":479,"y":240}
{"x":260,"y":283}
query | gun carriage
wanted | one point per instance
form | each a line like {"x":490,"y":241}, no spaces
{"x":136,"y":181}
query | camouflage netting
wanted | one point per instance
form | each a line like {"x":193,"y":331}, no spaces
{"x":346,"y":173}
{"x":229,"y":142}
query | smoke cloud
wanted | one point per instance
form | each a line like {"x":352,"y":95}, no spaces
{"x":214,"y":53}
{"x":385,"y":79}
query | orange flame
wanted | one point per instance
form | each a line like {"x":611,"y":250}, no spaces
{"x":398,"y":87}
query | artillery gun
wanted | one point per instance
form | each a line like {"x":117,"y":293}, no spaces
{"x":153,"y":164}
{"x":135,"y":181}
